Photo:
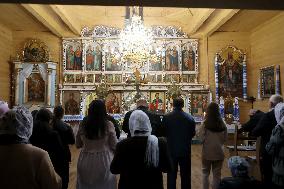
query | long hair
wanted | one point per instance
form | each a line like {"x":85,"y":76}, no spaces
{"x":213,"y":120}
{"x":96,"y":120}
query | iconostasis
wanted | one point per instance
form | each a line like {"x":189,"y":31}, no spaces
{"x":96,"y":59}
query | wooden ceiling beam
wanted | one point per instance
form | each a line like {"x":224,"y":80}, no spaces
{"x":66,"y":19}
{"x":221,"y":4}
{"x":40,"y":13}
{"x":216,"y":21}
{"x":197,"y":20}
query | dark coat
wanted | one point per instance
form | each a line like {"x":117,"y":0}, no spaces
{"x":240,"y":183}
{"x":253,"y":121}
{"x":179,"y":130}
{"x":49,"y":140}
{"x":66,"y":135}
{"x":155,"y":121}
{"x":115,"y":124}
{"x":264,"y":129}
{"x":129,"y":162}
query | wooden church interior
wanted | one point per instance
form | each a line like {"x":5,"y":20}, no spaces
{"x":247,"y":30}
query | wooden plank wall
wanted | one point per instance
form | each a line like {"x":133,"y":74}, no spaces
{"x":6,"y":50}
{"x":266,"y":49}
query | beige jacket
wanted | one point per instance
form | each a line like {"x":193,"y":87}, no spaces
{"x":23,"y":166}
{"x":212,"y":143}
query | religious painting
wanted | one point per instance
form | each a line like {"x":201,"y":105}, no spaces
{"x":151,"y":78}
{"x":78,"y":78}
{"x":93,"y":57}
{"x":74,"y":56}
{"x":90,"y":78}
{"x":117,"y":78}
{"x":109,"y":78}
{"x":167,"y":78}
{"x":157,"y":102}
{"x":188,"y":57}
{"x":155,"y":59}
{"x":112,"y":58}
{"x":184,"y":78}
{"x":172,"y":58}
{"x":175,"y":78}
{"x":199,"y":103}
{"x":88,"y":99}
{"x":36,"y":88}
{"x":230,"y":72}
{"x":71,"y":103}
{"x":159,"y":78}
{"x":113,"y":103}
{"x":267,"y":81}
{"x":98,"y":78}
{"x":69,"y":78}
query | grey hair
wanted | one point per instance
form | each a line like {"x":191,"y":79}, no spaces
{"x":275,"y":99}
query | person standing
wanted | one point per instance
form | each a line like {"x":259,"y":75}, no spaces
{"x":154,"y":118}
{"x":97,"y":138}
{"x":44,"y":137}
{"x":264,"y":129}
{"x":275,"y":148}
{"x":213,"y":134}
{"x":67,"y":137}
{"x":142,"y":156}
{"x":23,"y":165}
{"x":179,"y":130}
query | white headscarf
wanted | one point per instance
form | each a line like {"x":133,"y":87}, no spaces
{"x":17,"y":121}
{"x":279,"y":113}
{"x":3,"y":108}
{"x":139,"y":121}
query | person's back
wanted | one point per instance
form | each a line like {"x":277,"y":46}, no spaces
{"x":131,"y":164}
{"x":179,"y":130}
{"x":23,"y":165}
{"x":141,"y":159}
{"x":97,"y":138}
{"x":26,"y":166}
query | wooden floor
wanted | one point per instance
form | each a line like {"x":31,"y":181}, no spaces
{"x":196,"y":181}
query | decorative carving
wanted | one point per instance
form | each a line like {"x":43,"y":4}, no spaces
{"x":168,"y":32}
{"x":34,"y":51}
{"x":100,"y":32}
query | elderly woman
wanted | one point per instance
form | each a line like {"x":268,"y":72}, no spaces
{"x":23,"y":165}
{"x":240,"y":180}
{"x":275,"y":147}
{"x":141,"y":159}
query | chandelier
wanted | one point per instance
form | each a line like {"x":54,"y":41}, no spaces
{"x":135,"y":39}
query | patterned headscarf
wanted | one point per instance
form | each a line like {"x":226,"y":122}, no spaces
{"x":279,"y":113}
{"x":239,"y":166}
{"x":139,"y":121}
{"x":19,"y":122}
{"x":3,"y":108}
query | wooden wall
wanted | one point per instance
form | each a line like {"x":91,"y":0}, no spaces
{"x":6,"y":51}
{"x":266,"y":49}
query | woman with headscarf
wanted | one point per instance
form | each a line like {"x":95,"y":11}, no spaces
{"x":213,"y":134}
{"x":97,"y":138}
{"x":240,"y":179}
{"x":141,"y":159}
{"x":23,"y":165}
{"x":46,"y":138}
{"x":275,"y":147}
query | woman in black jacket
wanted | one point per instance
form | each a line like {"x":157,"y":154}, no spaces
{"x":142,"y":156}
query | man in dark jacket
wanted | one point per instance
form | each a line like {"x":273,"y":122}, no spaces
{"x":255,"y":116}
{"x":115,"y":124}
{"x":155,"y":119}
{"x":67,"y":137}
{"x":179,"y":131}
{"x":264,"y":129}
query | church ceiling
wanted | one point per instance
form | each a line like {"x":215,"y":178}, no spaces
{"x":68,"y":20}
